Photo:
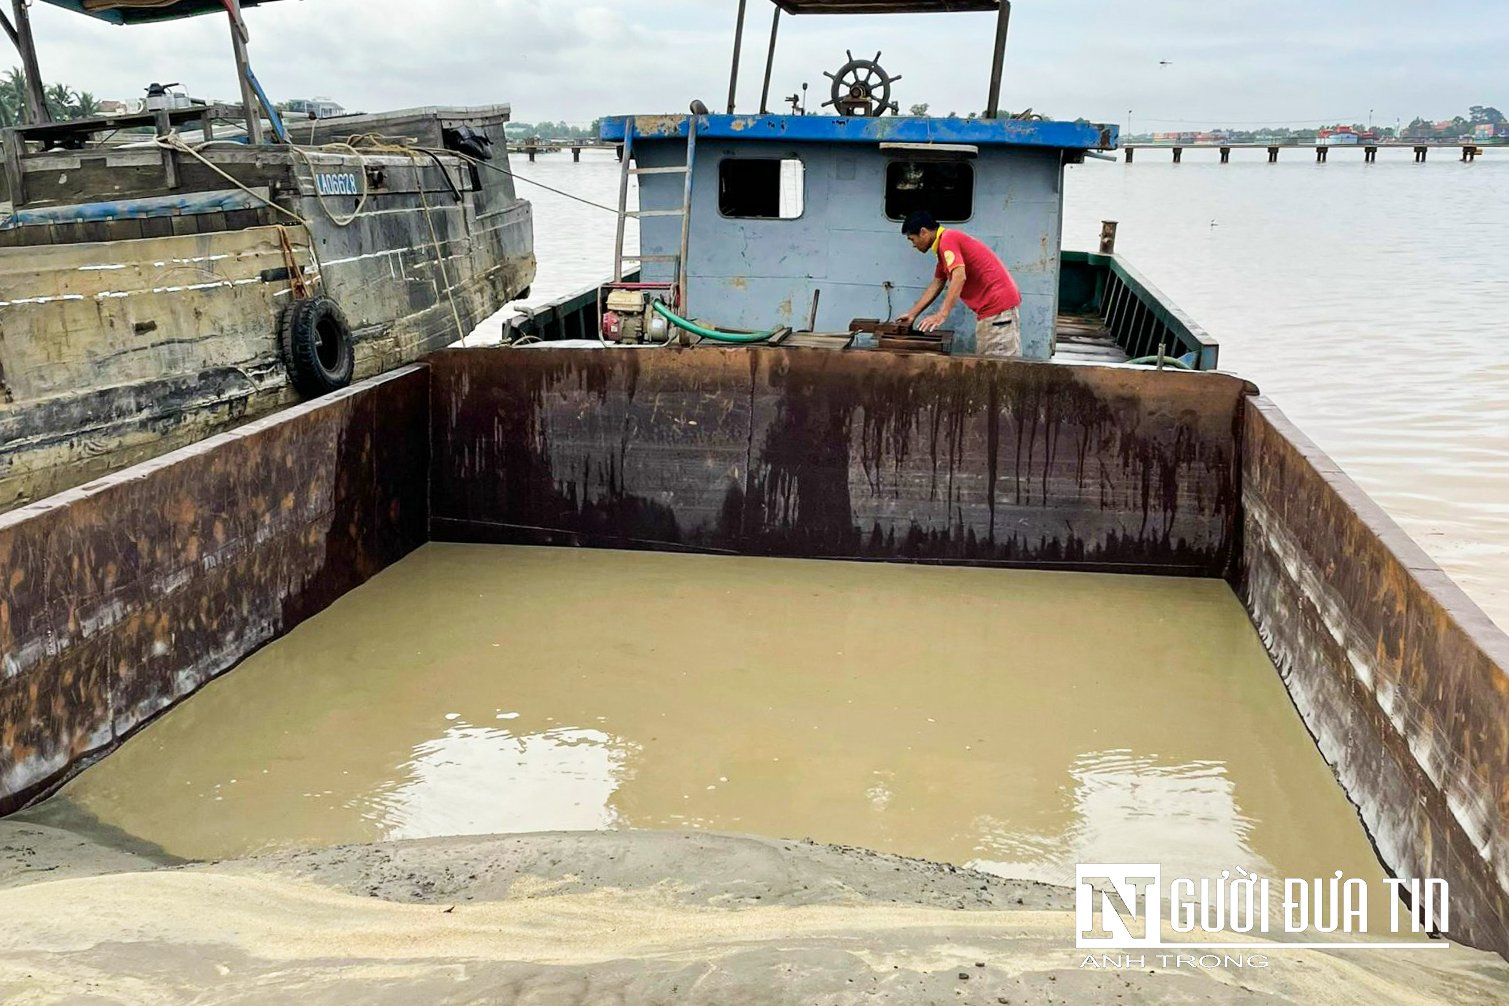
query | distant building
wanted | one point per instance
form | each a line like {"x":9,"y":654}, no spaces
{"x":319,"y":108}
{"x":1337,"y":136}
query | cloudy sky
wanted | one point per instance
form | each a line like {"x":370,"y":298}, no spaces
{"x":1233,"y":61}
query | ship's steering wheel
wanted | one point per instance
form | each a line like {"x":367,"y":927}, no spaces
{"x":861,"y":87}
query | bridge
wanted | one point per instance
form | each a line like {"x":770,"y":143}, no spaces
{"x":1470,"y":151}
{"x":536,"y":145}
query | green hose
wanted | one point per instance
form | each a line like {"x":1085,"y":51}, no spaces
{"x":1171,"y":361}
{"x":710,"y":333}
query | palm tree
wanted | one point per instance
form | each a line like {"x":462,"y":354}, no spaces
{"x":84,"y":106}
{"x":13,"y":96}
{"x":59,"y":100}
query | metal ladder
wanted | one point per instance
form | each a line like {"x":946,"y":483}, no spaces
{"x":685,"y":213}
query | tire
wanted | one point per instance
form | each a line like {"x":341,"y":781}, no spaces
{"x":316,"y":343}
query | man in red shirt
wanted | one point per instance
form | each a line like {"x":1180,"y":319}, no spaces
{"x":970,"y":271}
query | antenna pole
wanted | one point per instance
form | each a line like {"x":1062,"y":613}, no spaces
{"x":733,"y":75}
{"x":1003,"y":23}
{"x":775,"y":23}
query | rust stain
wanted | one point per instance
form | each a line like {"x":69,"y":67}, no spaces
{"x":863,"y":454}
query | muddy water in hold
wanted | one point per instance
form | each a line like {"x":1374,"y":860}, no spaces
{"x":1022,"y":721}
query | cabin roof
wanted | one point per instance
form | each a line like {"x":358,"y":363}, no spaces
{"x":884,"y":6}
{"x":870,"y":130}
{"x":139,"y":11}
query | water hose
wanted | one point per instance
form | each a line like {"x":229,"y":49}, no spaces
{"x":742,"y":338}
{"x":1171,"y":361}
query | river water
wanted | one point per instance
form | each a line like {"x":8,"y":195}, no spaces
{"x":1367,"y":300}
{"x":1020,"y":721}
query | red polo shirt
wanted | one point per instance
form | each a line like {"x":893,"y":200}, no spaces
{"x":988,"y":286}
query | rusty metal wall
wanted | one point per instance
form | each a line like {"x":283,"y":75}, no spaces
{"x":808,"y":453}
{"x":126,"y":595}
{"x":1401,"y":678}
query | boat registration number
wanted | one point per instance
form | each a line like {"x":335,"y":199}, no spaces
{"x":336,"y":185}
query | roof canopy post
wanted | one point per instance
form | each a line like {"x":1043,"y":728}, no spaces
{"x":733,"y":74}
{"x":36,"y":98}
{"x":998,"y":61}
{"x":239,"y":36}
{"x":775,"y":23}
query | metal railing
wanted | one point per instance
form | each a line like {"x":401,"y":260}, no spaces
{"x":1139,"y":318}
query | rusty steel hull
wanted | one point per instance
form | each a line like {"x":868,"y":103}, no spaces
{"x":126,"y":595}
{"x":123,"y":597}
{"x":817,"y":454}
{"x":1401,"y":678}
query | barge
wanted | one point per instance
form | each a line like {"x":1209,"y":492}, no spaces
{"x":172,"y":273}
{"x":125,"y":596}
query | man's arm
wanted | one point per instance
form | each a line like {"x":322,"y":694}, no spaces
{"x":928,"y":296}
{"x":955,"y":287}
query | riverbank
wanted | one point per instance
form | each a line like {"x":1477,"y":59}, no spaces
{"x":600,"y":917}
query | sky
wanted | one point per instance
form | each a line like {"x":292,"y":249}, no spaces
{"x":1232,"y":62}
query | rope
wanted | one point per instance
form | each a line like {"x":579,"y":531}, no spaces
{"x":376,"y":144}
{"x":314,"y":179}
{"x":504,"y":171}
{"x":382,"y":144}
{"x":429,"y":216}
{"x":295,"y":274}
{"x":173,"y":141}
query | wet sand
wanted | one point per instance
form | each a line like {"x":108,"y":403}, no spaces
{"x":1022,"y":722}
{"x":1018,"y":721}
{"x":625,"y":917}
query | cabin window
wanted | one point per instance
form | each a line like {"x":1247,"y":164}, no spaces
{"x":946,"y":189}
{"x":763,"y":188}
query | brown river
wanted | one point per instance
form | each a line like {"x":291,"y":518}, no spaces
{"x":1019,"y":721}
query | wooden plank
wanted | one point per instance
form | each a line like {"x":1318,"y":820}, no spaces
{"x":15,"y":177}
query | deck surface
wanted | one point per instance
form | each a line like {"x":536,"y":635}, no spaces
{"x":1085,"y":339}
{"x":1081,"y":339}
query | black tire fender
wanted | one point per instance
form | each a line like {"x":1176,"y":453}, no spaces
{"x":316,"y":343}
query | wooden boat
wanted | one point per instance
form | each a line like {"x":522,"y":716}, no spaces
{"x":162,"y":285}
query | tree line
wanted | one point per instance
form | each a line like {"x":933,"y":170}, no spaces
{"x":63,"y":102}
{"x":1419,"y":128}
{"x":552,"y":130}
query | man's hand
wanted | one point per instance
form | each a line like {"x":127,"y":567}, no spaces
{"x":931,"y":322}
{"x":905,"y":320}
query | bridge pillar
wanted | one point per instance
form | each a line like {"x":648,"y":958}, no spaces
{"x":1420,"y":153}
{"x":1320,"y":154}
{"x":576,"y":154}
{"x":1369,"y":155}
{"x":1178,"y":155}
{"x":1469,"y":154}
{"x":1129,"y":154}
{"x":1272,"y":155}
{"x":1225,"y":155}
{"x":530,"y":150}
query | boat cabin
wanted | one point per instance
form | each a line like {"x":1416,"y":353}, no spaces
{"x":793,"y":221}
